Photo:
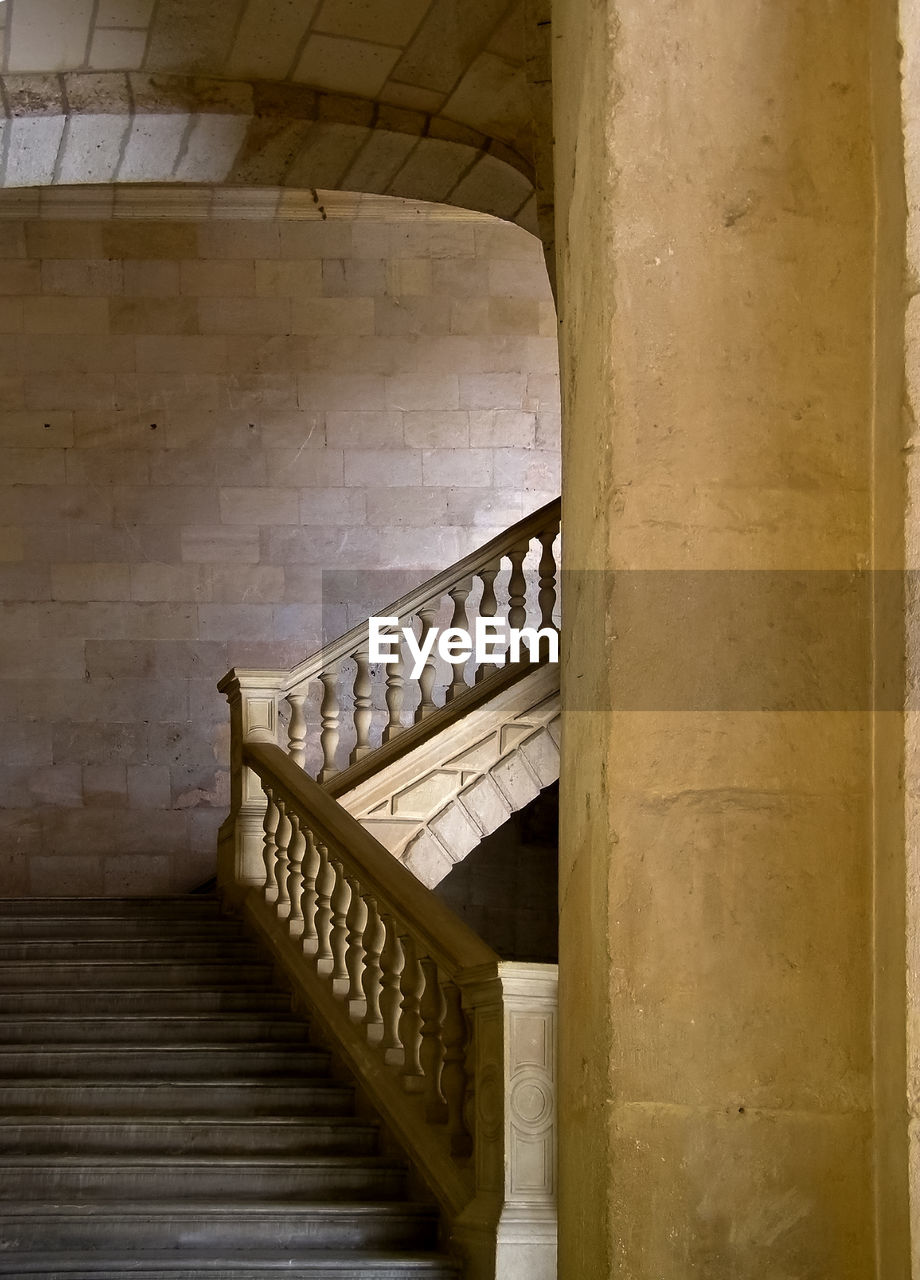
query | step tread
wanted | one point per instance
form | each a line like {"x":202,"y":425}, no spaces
{"x":204,"y":1162}
{"x":354,"y":1262}
{"x":170,"y":1210}
{"x":186,"y":1120}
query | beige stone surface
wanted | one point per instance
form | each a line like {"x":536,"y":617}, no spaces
{"x":182,"y":453}
{"x":716,"y":261}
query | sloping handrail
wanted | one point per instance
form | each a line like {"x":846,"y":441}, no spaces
{"x":444,"y":936}
{"x":454,"y":1047}
{"x":436,"y":587}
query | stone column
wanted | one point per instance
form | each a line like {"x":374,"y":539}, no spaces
{"x":716,"y":251}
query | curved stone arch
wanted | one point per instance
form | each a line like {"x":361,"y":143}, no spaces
{"x":431,"y":807}
{"x":78,"y":129}
{"x":483,"y":806}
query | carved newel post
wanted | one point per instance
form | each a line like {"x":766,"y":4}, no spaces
{"x":253,"y":700}
{"x":508,"y":1232}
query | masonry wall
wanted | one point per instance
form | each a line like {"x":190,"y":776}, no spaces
{"x":197,"y":418}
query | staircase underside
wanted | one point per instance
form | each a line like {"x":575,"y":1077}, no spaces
{"x":164,"y":1114}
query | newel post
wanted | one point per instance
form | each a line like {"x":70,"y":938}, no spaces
{"x":253,"y":701}
{"x":508,"y":1231}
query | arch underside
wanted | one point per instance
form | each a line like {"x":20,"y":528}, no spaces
{"x":116,"y":128}
{"x":433,"y":806}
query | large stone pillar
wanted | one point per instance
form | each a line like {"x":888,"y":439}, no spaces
{"x":717,"y":271}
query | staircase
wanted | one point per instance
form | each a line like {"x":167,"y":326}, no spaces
{"x":163,"y":1113}
{"x":355,"y":786}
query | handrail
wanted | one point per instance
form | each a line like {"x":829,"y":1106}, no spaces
{"x":447,"y":939}
{"x":444,"y":1037}
{"x":435,"y":586}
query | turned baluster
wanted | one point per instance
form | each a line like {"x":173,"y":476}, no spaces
{"x":391,"y":964}
{"x":411,"y":986}
{"x":269,"y":843}
{"x":426,"y":614}
{"x":297,"y":729}
{"x":431,"y":1050}
{"x":283,"y":838}
{"x":453,"y":1075}
{"x":517,"y":587}
{"x":329,"y":715}
{"x":374,"y":937}
{"x":310,"y":868}
{"x":458,"y":595}
{"x":363,"y":705}
{"x":325,"y":883}
{"x":396,"y":680}
{"x":488,"y":608}
{"x":296,"y":852}
{"x":547,"y":594}
{"x":356,"y":921}
{"x":338,"y":934}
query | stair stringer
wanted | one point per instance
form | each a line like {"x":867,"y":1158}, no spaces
{"x":432,"y":806}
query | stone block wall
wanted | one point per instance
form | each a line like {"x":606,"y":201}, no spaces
{"x":205,"y":403}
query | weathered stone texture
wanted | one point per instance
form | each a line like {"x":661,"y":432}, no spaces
{"x":198,"y":417}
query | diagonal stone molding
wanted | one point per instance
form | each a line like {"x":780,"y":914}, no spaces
{"x":130,"y":127}
{"x":434,"y":805}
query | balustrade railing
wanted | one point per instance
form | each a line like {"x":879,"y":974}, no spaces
{"x":341,"y":708}
{"x":455,"y":1047}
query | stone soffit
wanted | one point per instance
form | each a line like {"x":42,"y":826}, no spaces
{"x":201,"y":203}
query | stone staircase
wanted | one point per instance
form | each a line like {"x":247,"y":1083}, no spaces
{"x":163,"y":1113}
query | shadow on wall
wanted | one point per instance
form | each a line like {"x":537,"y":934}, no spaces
{"x":506,"y":890}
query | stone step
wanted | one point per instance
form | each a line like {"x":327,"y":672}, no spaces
{"x":162,"y":1062}
{"x":233,"y":950}
{"x":135,"y":1028}
{"x":153,"y":1000}
{"x":213,"y":1227}
{"x":17,"y":974}
{"x":113,"y":1178}
{"x":115,"y":926}
{"x":192,"y":1135}
{"x":241,"y":1265}
{"x":203,"y":1097}
{"x":187,"y":905}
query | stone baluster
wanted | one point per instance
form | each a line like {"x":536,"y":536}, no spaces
{"x":488,"y":608}
{"x":453,"y":1075}
{"x":395,"y":679}
{"x":427,"y":614}
{"x":356,"y":921}
{"x":325,"y":883}
{"x":297,"y":729}
{"x":364,"y":706}
{"x":283,"y":839}
{"x":311,"y":866}
{"x":296,"y":852}
{"x":431,"y":1051}
{"x":329,"y":715}
{"x":458,"y":595}
{"x":411,"y":986}
{"x":338,"y":934}
{"x":374,"y":937}
{"x":391,"y":964}
{"x":269,"y":843}
{"x":547,"y":592}
{"x":517,"y":586}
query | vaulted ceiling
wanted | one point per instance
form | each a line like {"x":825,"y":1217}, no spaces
{"x":428,"y":99}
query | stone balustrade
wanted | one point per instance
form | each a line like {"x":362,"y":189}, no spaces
{"x":453,"y":1046}
{"x":343,"y":707}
